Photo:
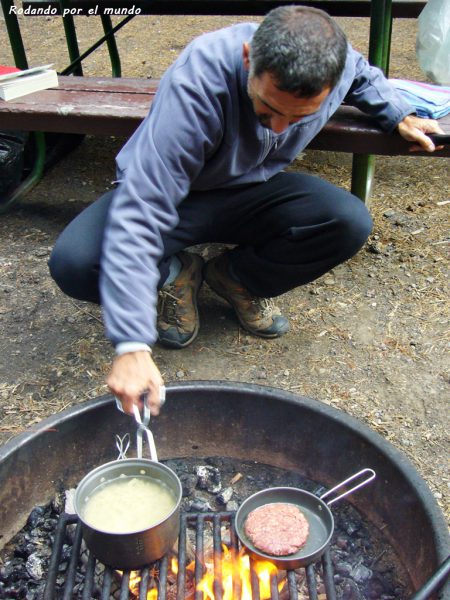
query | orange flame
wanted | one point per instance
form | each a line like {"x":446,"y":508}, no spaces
{"x":235,"y":575}
{"x":237,"y":569}
{"x":133,"y":586}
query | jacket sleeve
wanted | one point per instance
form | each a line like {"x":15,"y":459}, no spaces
{"x":168,"y":152}
{"x":372,"y":93}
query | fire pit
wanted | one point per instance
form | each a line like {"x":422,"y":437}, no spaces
{"x":239,"y":421}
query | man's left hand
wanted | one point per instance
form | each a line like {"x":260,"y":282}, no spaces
{"x":414,"y":129}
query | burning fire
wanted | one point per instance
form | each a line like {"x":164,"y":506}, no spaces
{"x":240,"y":568}
{"x":235,"y":574}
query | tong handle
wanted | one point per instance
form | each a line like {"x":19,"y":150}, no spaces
{"x":143,"y":428}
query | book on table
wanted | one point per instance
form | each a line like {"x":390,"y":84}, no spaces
{"x":15,"y":83}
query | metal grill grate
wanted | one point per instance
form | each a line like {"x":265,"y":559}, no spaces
{"x":105,"y":584}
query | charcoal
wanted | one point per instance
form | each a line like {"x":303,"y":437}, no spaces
{"x":361,"y":574}
{"x":351,"y":591}
{"x":352,"y":527}
{"x":12,"y":570}
{"x":343,"y":568}
{"x":62,"y":567}
{"x":375,"y":589}
{"x":209,"y":479}
{"x":188,"y":483}
{"x":36,"y":594}
{"x":57,"y":503}
{"x":35,"y":567}
{"x":49,"y":524}
{"x":232,"y":506}
{"x":225,"y":495}
{"x":37,"y":517}
{"x":342,"y":542}
{"x":66,"y":552}
{"x":199,"y":506}
{"x":69,"y":501}
{"x":20,"y":551}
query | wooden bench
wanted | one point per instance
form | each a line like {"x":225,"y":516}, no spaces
{"x":114,"y":106}
{"x":381,"y":13}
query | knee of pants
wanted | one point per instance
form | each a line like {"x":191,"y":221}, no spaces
{"x":75,"y":277}
{"x":339,"y":233}
{"x":353,"y":226}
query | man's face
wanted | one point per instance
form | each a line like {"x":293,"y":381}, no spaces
{"x":275,"y":109}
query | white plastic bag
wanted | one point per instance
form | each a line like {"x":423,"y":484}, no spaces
{"x":433,"y":41}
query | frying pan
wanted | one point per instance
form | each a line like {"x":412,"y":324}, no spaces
{"x":316,"y":511}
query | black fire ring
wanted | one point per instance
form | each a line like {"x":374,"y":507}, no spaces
{"x":240,"y":421}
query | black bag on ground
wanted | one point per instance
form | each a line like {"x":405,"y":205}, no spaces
{"x":18,"y":155}
{"x":12,"y":145}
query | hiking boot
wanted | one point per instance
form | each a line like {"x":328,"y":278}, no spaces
{"x":177,"y":321}
{"x":257,"y":315}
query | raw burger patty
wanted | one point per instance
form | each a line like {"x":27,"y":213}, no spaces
{"x":277,"y":529}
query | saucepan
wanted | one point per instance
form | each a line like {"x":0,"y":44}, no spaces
{"x":133,"y":549}
{"x":314,"y":508}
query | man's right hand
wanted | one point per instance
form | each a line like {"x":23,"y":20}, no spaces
{"x":132,"y":375}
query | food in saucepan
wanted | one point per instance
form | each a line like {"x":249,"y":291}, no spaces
{"x":128,"y":504}
{"x":278,"y":528}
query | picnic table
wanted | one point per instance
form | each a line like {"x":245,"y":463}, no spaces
{"x":380,"y":12}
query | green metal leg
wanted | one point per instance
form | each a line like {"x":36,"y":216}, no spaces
{"x":33,"y":178}
{"x":71,"y":38}
{"x":363,"y":169}
{"x":20,"y":59}
{"x":72,"y":43}
{"x":14,"y":34}
{"x":112,"y":46}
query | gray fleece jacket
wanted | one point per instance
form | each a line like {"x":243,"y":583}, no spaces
{"x":201,"y":133}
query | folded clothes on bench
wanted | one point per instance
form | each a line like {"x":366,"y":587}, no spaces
{"x":431,"y":101}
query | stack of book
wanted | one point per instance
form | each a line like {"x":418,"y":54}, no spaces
{"x":15,"y":83}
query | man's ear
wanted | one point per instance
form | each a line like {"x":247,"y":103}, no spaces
{"x":246,"y":55}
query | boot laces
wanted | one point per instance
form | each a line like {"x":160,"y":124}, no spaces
{"x":168,"y":307}
{"x":265,"y":305}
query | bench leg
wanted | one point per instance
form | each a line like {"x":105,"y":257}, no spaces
{"x":33,"y":178}
{"x":14,"y":34}
{"x":114,"y":56}
{"x":363,"y":168}
{"x":71,"y":38}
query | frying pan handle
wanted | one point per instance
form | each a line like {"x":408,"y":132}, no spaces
{"x":370,"y":476}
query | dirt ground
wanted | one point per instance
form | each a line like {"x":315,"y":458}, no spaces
{"x":369,"y":338}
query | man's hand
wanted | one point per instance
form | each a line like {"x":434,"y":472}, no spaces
{"x":414,"y":129}
{"x":131,"y":375}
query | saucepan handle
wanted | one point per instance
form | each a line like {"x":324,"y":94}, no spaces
{"x":368,"y":474}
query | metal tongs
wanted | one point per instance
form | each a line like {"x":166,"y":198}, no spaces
{"x":143,"y":423}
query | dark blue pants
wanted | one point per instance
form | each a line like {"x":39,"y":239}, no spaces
{"x":288,"y":231}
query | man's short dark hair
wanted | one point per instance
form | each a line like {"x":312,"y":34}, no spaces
{"x":301,"y":47}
